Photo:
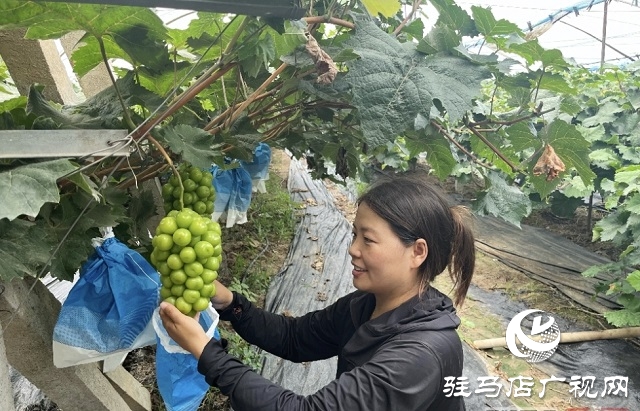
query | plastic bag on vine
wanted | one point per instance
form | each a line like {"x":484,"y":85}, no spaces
{"x":180,"y":384}
{"x":108,"y":310}
{"x":233,"y":195}
{"x":258,"y":168}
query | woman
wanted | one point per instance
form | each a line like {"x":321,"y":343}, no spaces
{"x":395,"y":337}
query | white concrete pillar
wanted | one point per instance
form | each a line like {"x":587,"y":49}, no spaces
{"x":37,"y":61}
{"x":6,"y":389}
{"x":28,"y":313}
{"x":97,"y":79}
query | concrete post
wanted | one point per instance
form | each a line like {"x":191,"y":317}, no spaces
{"x":97,"y":79}
{"x":37,"y":61}
{"x":6,"y":390}
{"x":28,"y":313}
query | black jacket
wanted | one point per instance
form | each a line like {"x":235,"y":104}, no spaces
{"x":397,"y":361}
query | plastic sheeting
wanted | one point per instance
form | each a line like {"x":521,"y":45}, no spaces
{"x":315,"y":274}
{"x":558,"y":262}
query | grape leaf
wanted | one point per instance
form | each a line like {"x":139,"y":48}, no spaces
{"x":195,"y":145}
{"x":438,"y":151}
{"x":391,"y":83}
{"x":503,"y":201}
{"x":26,"y":188}
{"x":455,"y":17}
{"x":571,"y":147}
{"x":440,"y":38}
{"x":623,"y":318}
{"x":15,"y":237}
{"x":523,"y":136}
{"x":489,"y":26}
{"x":634,"y":279}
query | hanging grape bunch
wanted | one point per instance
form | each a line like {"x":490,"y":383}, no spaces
{"x":187,"y":252}
{"x":198,"y":195}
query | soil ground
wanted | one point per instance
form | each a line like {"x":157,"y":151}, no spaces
{"x":490,"y":274}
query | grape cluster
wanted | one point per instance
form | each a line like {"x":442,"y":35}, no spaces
{"x":187,"y":251}
{"x":198,"y":195}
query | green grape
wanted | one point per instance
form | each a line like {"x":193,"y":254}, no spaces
{"x":187,"y":248}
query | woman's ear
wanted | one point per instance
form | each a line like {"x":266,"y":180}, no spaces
{"x":420,"y":252}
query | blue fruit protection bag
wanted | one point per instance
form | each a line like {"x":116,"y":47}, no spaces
{"x":180,"y":384}
{"x":233,"y":195}
{"x":108,"y":310}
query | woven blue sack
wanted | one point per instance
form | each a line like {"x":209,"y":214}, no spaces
{"x":109,"y":309}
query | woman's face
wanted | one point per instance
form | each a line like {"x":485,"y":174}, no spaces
{"x":382,"y":265}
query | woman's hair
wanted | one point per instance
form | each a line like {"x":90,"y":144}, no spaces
{"x":415,"y":208}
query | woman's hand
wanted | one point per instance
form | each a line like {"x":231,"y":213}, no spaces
{"x":184,"y":330}
{"x":223,"y":297}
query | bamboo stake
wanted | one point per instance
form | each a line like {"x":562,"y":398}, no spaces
{"x":571,"y":337}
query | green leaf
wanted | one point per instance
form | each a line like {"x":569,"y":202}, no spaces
{"x":386,"y":8}
{"x":632,"y":203}
{"x":489,"y":26}
{"x":391,"y":84}
{"x":607,"y":113}
{"x":611,"y":226}
{"x":293,"y":37}
{"x":592,"y":134}
{"x":533,"y":52}
{"x":415,"y":29}
{"x":144,"y":43}
{"x":575,"y":188}
{"x":455,"y":17}
{"x":605,"y":158}
{"x":255,"y":55}
{"x":440,"y":38}
{"x":52,"y":118}
{"x":26,"y":188}
{"x":556,"y":83}
{"x":523,"y":136}
{"x":503,"y":201}
{"x":634,"y":279}
{"x":11,"y":104}
{"x":541,"y":185}
{"x":194,"y":144}
{"x":16,"y":237}
{"x":437,"y":147}
{"x":628,"y":178}
{"x":570,"y":105}
{"x":88,"y":56}
{"x":623,"y":318}
{"x":86,"y":184}
{"x":571,"y":147}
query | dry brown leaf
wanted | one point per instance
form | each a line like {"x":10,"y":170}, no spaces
{"x":326,"y":68}
{"x":549,"y":164}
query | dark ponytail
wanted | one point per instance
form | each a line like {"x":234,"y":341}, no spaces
{"x":463,"y":253}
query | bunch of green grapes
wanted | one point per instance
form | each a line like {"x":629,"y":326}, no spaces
{"x":198,"y":194}
{"x":187,"y":252}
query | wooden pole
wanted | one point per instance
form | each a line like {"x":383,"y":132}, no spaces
{"x":604,"y":34}
{"x":578,"y":336}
